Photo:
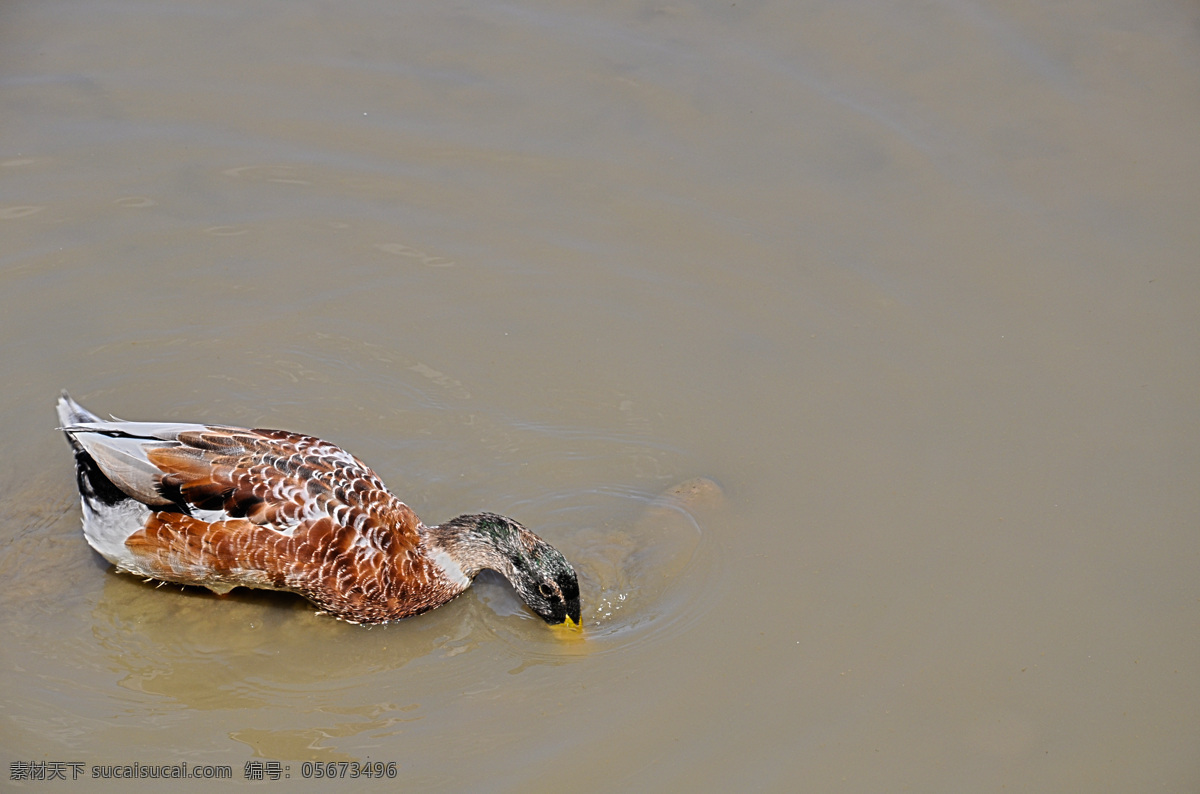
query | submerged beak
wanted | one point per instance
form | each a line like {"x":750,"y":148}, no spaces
{"x":570,"y":625}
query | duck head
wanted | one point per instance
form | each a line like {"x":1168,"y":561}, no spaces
{"x":539,"y":573}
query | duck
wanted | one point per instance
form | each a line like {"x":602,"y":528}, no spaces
{"x":223,"y":507}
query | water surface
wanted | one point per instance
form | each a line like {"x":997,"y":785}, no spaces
{"x":916,"y":286}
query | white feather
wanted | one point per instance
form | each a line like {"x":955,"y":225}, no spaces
{"x":161,"y":431}
{"x":450,"y":568}
{"x":107,"y":528}
{"x":125,"y":462}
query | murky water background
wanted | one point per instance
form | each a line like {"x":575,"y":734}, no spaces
{"x":916,"y":284}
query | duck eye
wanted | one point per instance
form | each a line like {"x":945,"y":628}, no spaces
{"x":546,"y":590}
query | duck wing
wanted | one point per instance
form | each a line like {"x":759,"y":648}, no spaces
{"x":224,"y":507}
{"x":271,"y":478}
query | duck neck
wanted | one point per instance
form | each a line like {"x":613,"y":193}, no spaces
{"x":466,"y":545}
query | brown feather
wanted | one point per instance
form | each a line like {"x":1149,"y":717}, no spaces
{"x":352,"y":548}
{"x":224,"y":507}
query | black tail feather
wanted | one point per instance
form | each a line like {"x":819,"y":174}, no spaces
{"x":93,"y":484}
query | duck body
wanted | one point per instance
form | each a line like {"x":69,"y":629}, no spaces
{"x":224,"y":507}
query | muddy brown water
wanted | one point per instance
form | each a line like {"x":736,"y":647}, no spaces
{"x":907,"y":293}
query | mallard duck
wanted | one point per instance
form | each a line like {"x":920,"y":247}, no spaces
{"x":225,"y":507}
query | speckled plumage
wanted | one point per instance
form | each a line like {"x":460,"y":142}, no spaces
{"x":224,"y":507}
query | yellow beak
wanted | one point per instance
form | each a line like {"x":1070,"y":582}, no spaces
{"x":570,"y":625}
